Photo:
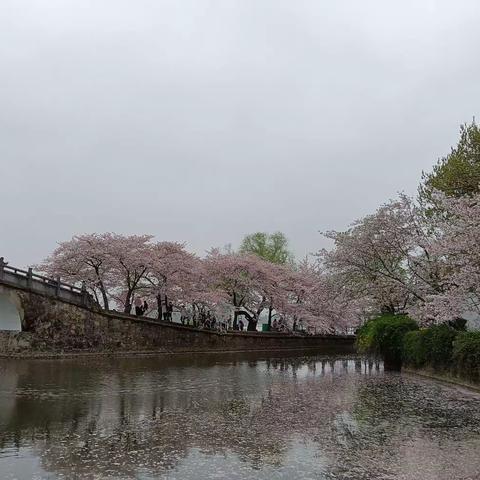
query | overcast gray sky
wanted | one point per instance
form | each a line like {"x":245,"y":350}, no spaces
{"x":202,"y":121}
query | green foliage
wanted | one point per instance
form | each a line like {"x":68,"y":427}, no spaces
{"x":444,"y":349}
{"x":439,"y":345}
{"x":271,"y":247}
{"x":458,"y":173}
{"x":459,"y":324}
{"x":430,"y":347}
{"x":466,"y":355}
{"x":383,"y":336}
{"x":414,"y":351}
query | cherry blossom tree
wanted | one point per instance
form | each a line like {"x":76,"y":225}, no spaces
{"x":230,"y":273}
{"x":171,"y":272}
{"x":333,"y":306}
{"x":118,"y":269}
{"x":202,"y":291}
{"x":129,"y":258}
{"x":246,"y":279}
{"x":457,"y":244}
{"x":319,"y":300}
{"x":388,"y":258}
{"x":112,"y":265}
{"x":292,"y":291}
{"x":83,"y":258}
{"x":299,"y":293}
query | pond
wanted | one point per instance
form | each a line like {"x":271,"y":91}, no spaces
{"x":242,"y":416}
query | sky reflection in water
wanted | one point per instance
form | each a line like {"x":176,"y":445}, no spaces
{"x":236,"y":417}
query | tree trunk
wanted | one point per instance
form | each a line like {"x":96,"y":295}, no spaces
{"x":167,"y":309}
{"x":128,"y":302}
{"x":159,"y":307}
{"x":252,"y":321}
{"x":270,"y":310}
{"x":102,"y":289}
{"x":104,"y":298}
{"x":95,"y":296}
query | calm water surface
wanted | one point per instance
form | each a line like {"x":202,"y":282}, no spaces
{"x":232,"y":417}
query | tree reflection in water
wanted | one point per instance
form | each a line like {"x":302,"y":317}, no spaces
{"x":235,"y":416}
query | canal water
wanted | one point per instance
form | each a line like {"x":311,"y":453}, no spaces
{"x":232,"y":417}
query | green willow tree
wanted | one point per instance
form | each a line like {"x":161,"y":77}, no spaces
{"x":458,"y":173}
{"x":271,"y":247}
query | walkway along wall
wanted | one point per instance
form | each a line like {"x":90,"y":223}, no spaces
{"x":67,"y":322}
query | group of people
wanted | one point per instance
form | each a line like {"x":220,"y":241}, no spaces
{"x":208,"y":321}
{"x":140,"y":308}
{"x":167,"y":314}
{"x":280,"y":325}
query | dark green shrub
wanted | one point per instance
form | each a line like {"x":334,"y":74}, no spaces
{"x":429,"y":347}
{"x":439,"y":345}
{"x":458,"y":324}
{"x":414,"y":350}
{"x":466,"y":355}
{"x":383,"y":336}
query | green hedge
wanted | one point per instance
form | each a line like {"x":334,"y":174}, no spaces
{"x":414,"y":349}
{"x":383,"y":336}
{"x":430,"y":347}
{"x":442,"y":348}
{"x":466,"y":355}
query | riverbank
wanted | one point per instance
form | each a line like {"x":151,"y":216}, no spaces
{"x":443,"y":377}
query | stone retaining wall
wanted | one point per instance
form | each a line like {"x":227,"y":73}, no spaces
{"x":50,"y":326}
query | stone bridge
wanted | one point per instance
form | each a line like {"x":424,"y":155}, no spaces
{"x":43,"y":316}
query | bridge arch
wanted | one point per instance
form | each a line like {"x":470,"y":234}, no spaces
{"x":11,"y":311}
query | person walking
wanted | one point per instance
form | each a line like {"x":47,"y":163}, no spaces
{"x":138,"y":307}
{"x":170,"y":311}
